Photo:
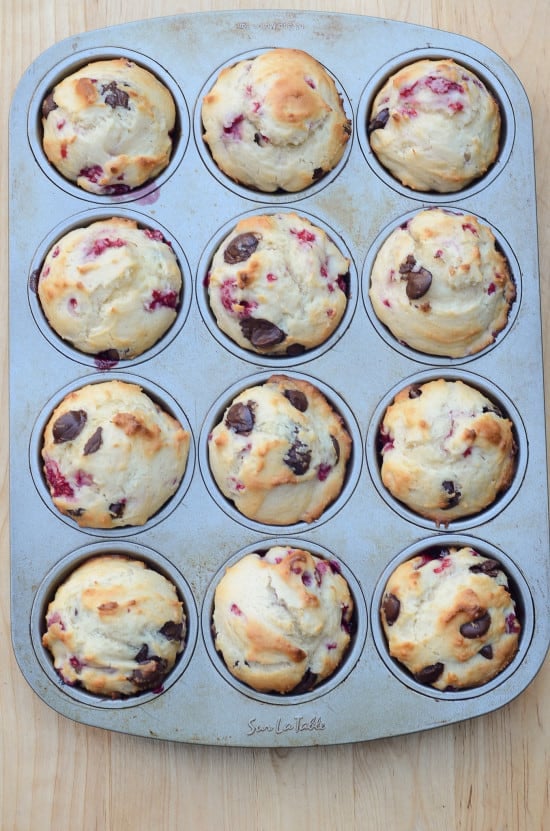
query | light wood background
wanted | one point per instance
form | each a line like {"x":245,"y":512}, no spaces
{"x":489,"y":774}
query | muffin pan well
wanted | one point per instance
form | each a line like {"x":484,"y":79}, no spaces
{"x":194,"y":371}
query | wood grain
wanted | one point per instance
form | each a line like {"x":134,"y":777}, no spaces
{"x":489,"y":774}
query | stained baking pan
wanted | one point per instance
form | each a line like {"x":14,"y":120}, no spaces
{"x":194,"y":371}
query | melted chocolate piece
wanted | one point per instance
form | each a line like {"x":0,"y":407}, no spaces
{"x":68,"y":426}
{"x":391,"y":608}
{"x":143,"y":654}
{"x":336,"y":445}
{"x":94,"y":442}
{"x":116,"y":509}
{"x":240,"y":248}
{"x":261,"y":333}
{"x":240,"y":418}
{"x":295,"y":349}
{"x":115,"y":97}
{"x":379,"y":121}
{"x":298,"y":458}
{"x":418,"y":279}
{"x":486,"y":651}
{"x":151,"y":673}
{"x":430,"y":674}
{"x":48,"y":105}
{"x":298,"y":399}
{"x":307,"y":682}
{"x":489,"y":567}
{"x":476,"y":628}
{"x":317,"y":174}
{"x":453,"y":494}
{"x":172,"y":631}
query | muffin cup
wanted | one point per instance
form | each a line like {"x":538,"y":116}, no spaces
{"x":415,"y":354}
{"x":488,"y":78}
{"x":159,"y":396}
{"x":250,"y":355}
{"x":505,"y":406}
{"x":65,"y":68}
{"x":103,"y":361}
{"x":215,"y":414}
{"x":278,"y":197}
{"x":358,"y":625}
{"x":53,"y":579}
{"x":519,"y":591}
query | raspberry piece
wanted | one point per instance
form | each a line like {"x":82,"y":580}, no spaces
{"x":159,"y":299}
{"x":305,"y":236}
{"x":442,"y":86}
{"x":92,"y":173}
{"x":234,"y":130}
{"x":154,"y":234}
{"x":102,"y":245}
{"x":323,"y":471}
{"x":57,"y":482}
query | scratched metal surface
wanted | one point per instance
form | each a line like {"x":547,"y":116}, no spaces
{"x":193,"y":371}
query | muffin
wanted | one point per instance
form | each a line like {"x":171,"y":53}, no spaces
{"x":111,"y":287}
{"x":282,"y":619}
{"x":108,"y":126}
{"x":435,"y":126}
{"x":450,"y":619}
{"x":112,"y":457}
{"x":115,"y":627}
{"x":280,"y":452}
{"x":278,"y":284}
{"x":446,"y":450}
{"x":275,"y":121}
{"x":441,"y":285}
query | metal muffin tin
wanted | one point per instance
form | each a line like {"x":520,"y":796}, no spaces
{"x":194,"y":371}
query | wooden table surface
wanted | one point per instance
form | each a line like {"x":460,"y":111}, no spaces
{"x":488,"y":774}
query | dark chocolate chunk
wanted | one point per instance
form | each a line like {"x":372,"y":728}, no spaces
{"x":240,"y":248}
{"x":34,"y":277}
{"x":68,"y":426}
{"x":489,"y":567}
{"x":414,"y":391}
{"x":143,"y":654}
{"x":430,"y":674}
{"x":453,"y":494}
{"x":391,"y":607}
{"x":476,"y":628}
{"x":116,"y":509}
{"x":172,"y":631}
{"x":240,"y":418}
{"x":298,"y":458}
{"x":150,"y":674}
{"x":94,"y":442}
{"x":318,"y":173}
{"x":261,"y":333}
{"x":486,"y":651}
{"x":298,"y":399}
{"x":307,"y":682}
{"x":115,"y":97}
{"x":336,"y":445}
{"x":379,"y":121}
{"x":48,"y":105}
{"x":418,"y":279}
{"x":295,"y":349}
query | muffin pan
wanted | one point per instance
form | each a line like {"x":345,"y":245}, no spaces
{"x":194,"y":371}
